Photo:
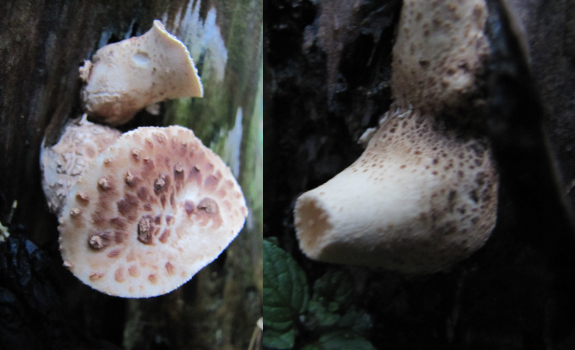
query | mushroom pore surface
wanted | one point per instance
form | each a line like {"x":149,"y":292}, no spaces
{"x":416,"y":201}
{"x":151,"y":211}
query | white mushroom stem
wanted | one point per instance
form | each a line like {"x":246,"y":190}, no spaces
{"x":127,"y":76}
{"x":421,"y":197}
{"x":415,"y":201}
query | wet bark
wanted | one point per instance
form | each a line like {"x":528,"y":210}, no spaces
{"x":41,"y":47}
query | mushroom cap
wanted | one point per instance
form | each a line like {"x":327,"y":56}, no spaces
{"x":150,"y":212}
{"x":64,"y":163}
{"x":416,"y":201}
{"x":129,"y":75}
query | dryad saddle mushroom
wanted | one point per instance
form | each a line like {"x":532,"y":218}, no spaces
{"x":423,"y":195}
{"x":139,"y":213}
{"x":149,"y":212}
{"x":127,"y":76}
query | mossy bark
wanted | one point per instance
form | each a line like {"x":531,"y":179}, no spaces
{"x":41,"y":47}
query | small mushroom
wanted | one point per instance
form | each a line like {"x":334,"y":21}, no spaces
{"x":423,"y":195}
{"x":64,"y":163}
{"x":150,"y":212}
{"x":132,"y":74}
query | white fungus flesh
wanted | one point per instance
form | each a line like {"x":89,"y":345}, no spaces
{"x":416,"y":201}
{"x":132,"y":74}
{"x":64,"y":163}
{"x":150,"y":212}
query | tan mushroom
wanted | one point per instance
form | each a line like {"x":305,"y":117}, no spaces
{"x":64,"y":163}
{"x":150,"y":212}
{"x":132,"y":74}
{"x":422,"y":196}
{"x":417,"y":200}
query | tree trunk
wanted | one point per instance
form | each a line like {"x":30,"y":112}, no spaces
{"x":42,"y":45}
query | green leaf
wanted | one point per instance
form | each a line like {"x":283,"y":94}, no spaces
{"x":334,"y":286}
{"x":332,"y":292}
{"x":355,"y":319}
{"x":321,"y":315}
{"x":274,"y":339}
{"x":331,"y":306}
{"x":286,"y":296}
{"x":273,"y":240}
{"x":340,"y":340}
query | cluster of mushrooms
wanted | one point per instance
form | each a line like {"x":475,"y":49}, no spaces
{"x":141,"y":212}
{"x":423,"y":195}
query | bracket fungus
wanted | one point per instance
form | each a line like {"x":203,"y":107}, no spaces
{"x":132,"y":74}
{"x":64,"y":163}
{"x":150,"y":212}
{"x":423,"y":195}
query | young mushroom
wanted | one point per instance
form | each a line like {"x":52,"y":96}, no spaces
{"x":423,"y":195}
{"x":150,"y":212}
{"x":132,"y":74}
{"x":63,"y":163}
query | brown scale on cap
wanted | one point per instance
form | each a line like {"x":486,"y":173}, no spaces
{"x":130,"y":179}
{"x":150,"y":211}
{"x":189,"y":207}
{"x":99,"y":240}
{"x":208,"y":211}
{"x":145,"y":229}
{"x":104,"y":184}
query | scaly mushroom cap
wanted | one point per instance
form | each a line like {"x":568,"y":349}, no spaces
{"x":134,"y":73}
{"x":64,"y":163}
{"x":150,"y":212}
{"x":416,"y":201}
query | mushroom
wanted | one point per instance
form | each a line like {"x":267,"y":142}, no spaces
{"x":63,"y":163}
{"x":423,"y":195}
{"x":417,"y":200}
{"x":149,"y":212}
{"x":127,"y":76}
